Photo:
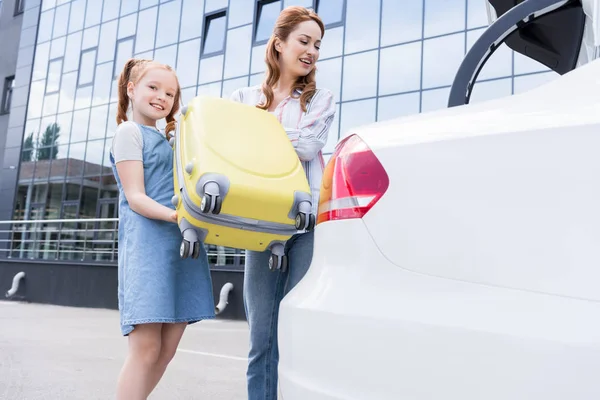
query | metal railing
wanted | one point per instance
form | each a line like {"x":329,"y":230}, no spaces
{"x":85,"y":240}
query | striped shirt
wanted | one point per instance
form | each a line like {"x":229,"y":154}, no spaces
{"x":307,"y":130}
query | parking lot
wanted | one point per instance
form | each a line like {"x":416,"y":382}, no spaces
{"x":51,"y":352}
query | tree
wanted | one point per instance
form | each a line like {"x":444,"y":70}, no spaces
{"x":47,"y":146}
{"x":44,"y":148}
{"x":28,"y":146}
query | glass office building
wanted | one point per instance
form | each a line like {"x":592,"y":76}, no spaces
{"x":381,"y":58}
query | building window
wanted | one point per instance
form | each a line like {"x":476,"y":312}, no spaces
{"x":331,"y":11}
{"x":214,"y":33}
{"x":124,"y":52}
{"x":87,"y":67}
{"x":9,"y":84}
{"x":267,"y":12}
{"x":19,"y":7}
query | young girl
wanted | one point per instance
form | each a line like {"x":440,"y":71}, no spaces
{"x":159,"y":293}
{"x":289,"y":92}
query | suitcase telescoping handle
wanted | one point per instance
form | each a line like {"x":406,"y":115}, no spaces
{"x":491,"y":39}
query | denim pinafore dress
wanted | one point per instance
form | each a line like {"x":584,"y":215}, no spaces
{"x":154,"y":284}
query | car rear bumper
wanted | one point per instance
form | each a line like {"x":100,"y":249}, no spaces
{"x":359,"y":327}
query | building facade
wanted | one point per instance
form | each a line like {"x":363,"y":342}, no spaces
{"x":381,"y":58}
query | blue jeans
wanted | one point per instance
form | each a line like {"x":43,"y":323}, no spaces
{"x":263,"y":291}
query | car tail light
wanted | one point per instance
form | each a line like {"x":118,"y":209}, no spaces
{"x":353,"y":181}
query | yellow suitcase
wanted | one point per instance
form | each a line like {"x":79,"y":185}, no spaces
{"x":238,"y":180}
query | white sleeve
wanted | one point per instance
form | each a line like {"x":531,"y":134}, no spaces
{"x":127,"y":143}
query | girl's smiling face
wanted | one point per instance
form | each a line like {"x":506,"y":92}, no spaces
{"x":153,"y":95}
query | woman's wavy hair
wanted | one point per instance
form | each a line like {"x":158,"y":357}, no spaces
{"x":286,"y":23}
{"x":133,"y":71}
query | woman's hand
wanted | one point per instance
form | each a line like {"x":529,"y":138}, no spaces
{"x":173,"y":216}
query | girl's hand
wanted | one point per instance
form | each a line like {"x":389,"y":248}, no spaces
{"x":173,"y":217}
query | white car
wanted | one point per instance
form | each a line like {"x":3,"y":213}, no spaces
{"x":457,"y":256}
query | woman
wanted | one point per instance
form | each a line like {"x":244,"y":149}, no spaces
{"x":289,"y":92}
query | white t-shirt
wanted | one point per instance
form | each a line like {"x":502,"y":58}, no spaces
{"x":127,"y":143}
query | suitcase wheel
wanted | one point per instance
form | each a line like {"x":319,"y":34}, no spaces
{"x":278,"y":262}
{"x":196,"y":251}
{"x":300,"y":220}
{"x":207,"y":204}
{"x":184,"y":249}
{"x":312,"y":221}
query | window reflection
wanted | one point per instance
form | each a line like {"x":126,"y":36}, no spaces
{"x":192,"y":21}
{"x":390,"y":107}
{"x":188,"y":60}
{"x":61,"y":20}
{"x":258,"y":59}
{"x":360,"y":76}
{"x":444,"y":16}
{"x":166,"y":55}
{"x":45,"y":26}
{"x":400,"y":69}
{"x":54,"y":75}
{"x":83,"y":97}
{"x":64,"y":123}
{"x":147,"y":3}
{"x":50,"y":104}
{"x":476,"y":14}
{"x":128,"y":7}
{"x":93,"y":13}
{"x":40,"y":65}
{"x":526,"y":65}
{"x":237,"y":57}
{"x":93,"y":158}
{"x":240,"y":12}
{"x":212,"y":5}
{"x":212,"y":90}
{"x":489,"y":90}
{"x":102,"y":83}
{"x":57,"y":48}
{"x":168,"y":22}
{"x":145,"y":30}
{"x":333,"y":43}
{"x":329,"y":74}
{"x":362,"y":25}
{"x":36,"y":96}
{"x":79,"y":126}
{"x":124,"y":52}
{"x":77,"y":15}
{"x":355,"y":114}
{"x":211,"y":69}
{"x":529,"y":82}
{"x":90,"y":37}
{"x":71,"y":62}
{"x":498,"y":65}
{"x":268,"y":11}
{"x":110,"y":10}
{"x":401,"y":21}
{"x":232,"y":85}
{"x":214,"y":33}
{"x":446,"y":51}
{"x":87,"y":67}
{"x":127,"y":26}
{"x":331,"y":11}
{"x":67,"y":91}
{"x":108,"y":36}
{"x":97,"y":127}
{"x":435,"y":99}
